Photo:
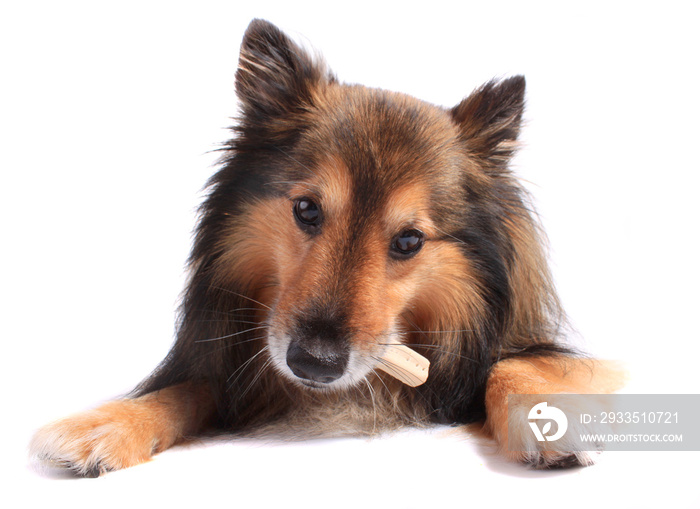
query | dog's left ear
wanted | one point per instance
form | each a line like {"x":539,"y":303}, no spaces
{"x":490,"y":119}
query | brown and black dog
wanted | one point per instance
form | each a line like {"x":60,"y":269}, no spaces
{"x":345,"y":220}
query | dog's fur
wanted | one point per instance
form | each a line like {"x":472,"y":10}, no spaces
{"x":268,"y":281}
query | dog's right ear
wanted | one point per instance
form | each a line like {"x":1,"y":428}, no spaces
{"x":275,"y":77}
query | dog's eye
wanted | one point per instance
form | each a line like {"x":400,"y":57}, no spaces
{"x":307,"y":213}
{"x":407,"y":243}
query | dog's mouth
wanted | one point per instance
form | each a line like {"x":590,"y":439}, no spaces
{"x":333,"y":363}
{"x":326,"y":360}
{"x":311,"y":384}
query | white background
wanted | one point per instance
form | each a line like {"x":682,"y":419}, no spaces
{"x":109,"y":114}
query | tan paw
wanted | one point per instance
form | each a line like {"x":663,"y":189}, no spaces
{"x":114,"y":436}
{"x":523,"y":444}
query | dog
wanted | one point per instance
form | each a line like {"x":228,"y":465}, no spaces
{"x":346,"y":222}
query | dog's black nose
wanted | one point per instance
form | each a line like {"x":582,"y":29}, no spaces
{"x":316,"y":364}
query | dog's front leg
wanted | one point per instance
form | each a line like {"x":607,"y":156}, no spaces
{"x":125,"y":432}
{"x":541,"y":375}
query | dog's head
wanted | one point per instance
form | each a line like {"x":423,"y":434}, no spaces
{"x":357,"y":218}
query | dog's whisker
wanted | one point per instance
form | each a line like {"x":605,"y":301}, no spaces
{"x":450,"y":236}
{"x":240,"y":295}
{"x":243,"y":366}
{"x":248,"y":340}
{"x":257,"y":376}
{"x":419,"y":331}
{"x":374,"y":405}
{"x":381,"y":380}
{"x":222,"y":320}
{"x":410,"y":375}
{"x":232,"y":335}
{"x":229,"y":311}
{"x":437,"y":348}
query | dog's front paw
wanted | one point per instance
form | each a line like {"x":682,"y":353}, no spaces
{"x":550,"y":460}
{"x":114,"y":436}
{"x":522,"y":448}
{"x":543,"y":437}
